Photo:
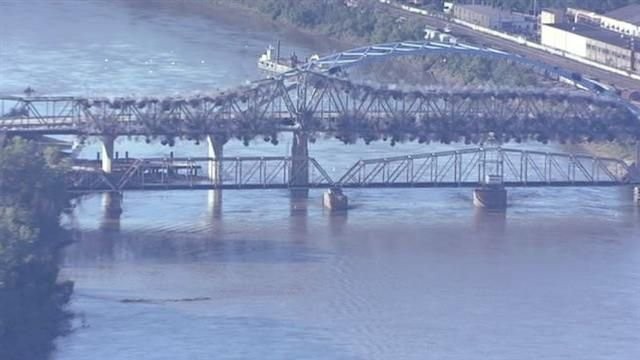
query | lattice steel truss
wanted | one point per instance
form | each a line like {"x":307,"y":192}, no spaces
{"x":319,"y":103}
{"x":462,"y":168}
{"x":471,"y":167}
{"x":189,"y":173}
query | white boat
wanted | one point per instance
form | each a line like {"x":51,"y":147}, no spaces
{"x":270,"y":61}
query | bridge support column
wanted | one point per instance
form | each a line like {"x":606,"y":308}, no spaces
{"x":108,"y":144}
{"x":215,"y":154}
{"x":334,"y":200}
{"x":490,"y":197}
{"x":299,"y":177}
{"x":636,"y":194}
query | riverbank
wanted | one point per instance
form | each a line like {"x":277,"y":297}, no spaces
{"x":348,"y":25}
{"x":253,"y":19}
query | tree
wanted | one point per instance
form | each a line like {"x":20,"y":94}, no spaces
{"x":32,"y":198}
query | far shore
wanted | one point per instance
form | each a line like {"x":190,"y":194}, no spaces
{"x":229,"y":11}
{"x":232,"y":12}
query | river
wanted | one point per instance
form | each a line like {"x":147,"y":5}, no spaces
{"x":406,"y":274}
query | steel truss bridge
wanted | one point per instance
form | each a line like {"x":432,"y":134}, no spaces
{"x":312,"y":99}
{"x":446,"y":169}
{"x":318,"y":100}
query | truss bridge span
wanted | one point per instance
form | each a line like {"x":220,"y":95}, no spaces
{"x":447,"y":169}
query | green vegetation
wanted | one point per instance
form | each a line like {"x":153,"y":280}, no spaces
{"x":32,"y":199}
{"x":484,"y":71}
{"x":449,"y":71}
{"x":333,"y":18}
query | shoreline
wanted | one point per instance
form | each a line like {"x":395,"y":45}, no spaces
{"x":232,"y":12}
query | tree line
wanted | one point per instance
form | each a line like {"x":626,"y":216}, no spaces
{"x":333,"y":18}
{"x":32,"y":299}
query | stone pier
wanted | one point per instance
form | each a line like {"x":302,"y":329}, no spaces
{"x":299,"y":176}
{"x":490,"y":197}
{"x":215,"y":153}
{"x":334,"y":200}
{"x":108,"y":145}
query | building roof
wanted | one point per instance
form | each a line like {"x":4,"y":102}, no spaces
{"x":597,"y":33}
{"x":485,"y":10}
{"x":629,"y":13}
{"x":554,"y":10}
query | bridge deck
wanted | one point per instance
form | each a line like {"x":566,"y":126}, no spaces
{"x":441,"y":185}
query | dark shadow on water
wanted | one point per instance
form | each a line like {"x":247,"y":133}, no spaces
{"x":261,"y":251}
{"x":298,"y":218}
{"x":337,"y":221}
{"x":489,"y":223}
{"x":92,"y":246}
{"x":214,"y":203}
{"x":111,"y":212}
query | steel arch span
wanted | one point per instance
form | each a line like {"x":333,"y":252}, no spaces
{"x":386,"y":51}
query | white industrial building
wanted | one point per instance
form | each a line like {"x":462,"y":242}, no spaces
{"x":594,"y":43}
{"x":552,"y":16}
{"x":493,"y":18}
{"x":625,"y":20}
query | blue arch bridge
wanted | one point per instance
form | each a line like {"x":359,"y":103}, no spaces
{"x":318,"y":99}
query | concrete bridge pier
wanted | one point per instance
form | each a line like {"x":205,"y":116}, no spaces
{"x":215,"y":153}
{"x":636,"y":195}
{"x":299,"y":176}
{"x":334,"y":200}
{"x":490,"y":197}
{"x":108,"y":145}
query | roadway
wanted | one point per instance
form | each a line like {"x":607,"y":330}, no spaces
{"x":375,"y":185}
{"x":471,"y":36}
